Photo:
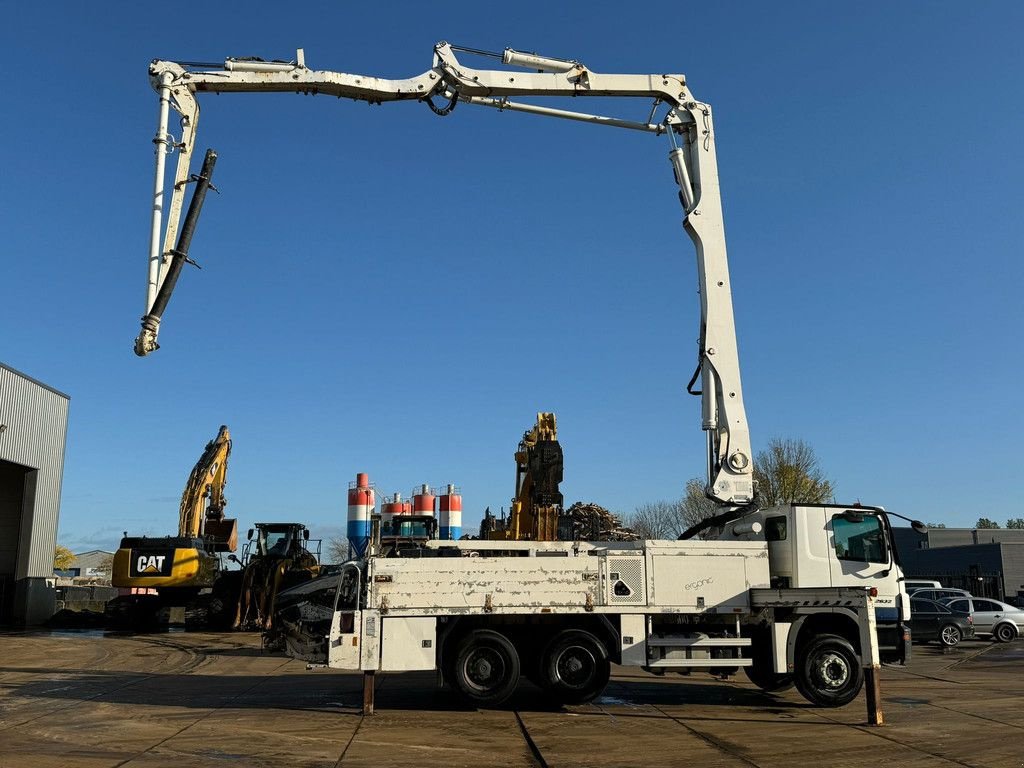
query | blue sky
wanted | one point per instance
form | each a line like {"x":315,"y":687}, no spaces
{"x":388,"y":291}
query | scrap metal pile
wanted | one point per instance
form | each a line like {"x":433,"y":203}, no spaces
{"x":586,"y":521}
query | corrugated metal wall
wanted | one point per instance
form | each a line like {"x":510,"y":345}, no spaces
{"x":1013,"y":567}
{"x":36,"y":419}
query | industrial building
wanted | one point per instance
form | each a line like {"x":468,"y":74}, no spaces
{"x":988,"y":562}
{"x":93,"y":566}
{"x":33,"y":431}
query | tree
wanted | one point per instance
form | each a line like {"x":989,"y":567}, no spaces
{"x":338,"y":549}
{"x":696,"y":506}
{"x":63,"y":558}
{"x":984,"y":522}
{"x":788,"y":471}
{"x":1015,"y":522}
{"x":936,"y":525}
{"x":657,"y":520}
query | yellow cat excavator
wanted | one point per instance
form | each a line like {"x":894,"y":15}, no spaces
{"x":183,"y":572}
{"x":537,"y":504}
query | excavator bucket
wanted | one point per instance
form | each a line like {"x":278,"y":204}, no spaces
{"x":223,"y":533}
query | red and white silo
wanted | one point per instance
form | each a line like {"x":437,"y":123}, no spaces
{"x":423,"y":501}
{"x":360,"y":506}
{"x":450,"y":509}
{"x":388,"y":510}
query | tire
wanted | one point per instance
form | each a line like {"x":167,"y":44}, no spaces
{"x":485,"y":668}
{"x":1004,"y":633}
{"x":950,"y":635}
{"x":575,"y":667}
{"x":769,"y":682}
{"x":760,"y":671}
{"x":828,"y":671}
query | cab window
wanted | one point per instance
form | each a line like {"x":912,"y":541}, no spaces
{"x":861,"y":541}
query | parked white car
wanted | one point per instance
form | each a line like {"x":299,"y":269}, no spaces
{"x":992,"y":618}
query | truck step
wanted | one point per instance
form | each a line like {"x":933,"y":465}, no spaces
{"x":685,"y":663}
{"x":681,"y":641}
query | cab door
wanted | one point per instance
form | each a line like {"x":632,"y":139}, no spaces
{"x":859,"y":557}
{"x":343,"y":641}
{"x":859,"y":553}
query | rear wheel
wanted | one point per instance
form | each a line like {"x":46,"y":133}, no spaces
{"x":575,"y":667}
{"x":828,"y":671}
{"x":1004,"y":633}
{"x":486,"y":667}
{"x":950,"y":635}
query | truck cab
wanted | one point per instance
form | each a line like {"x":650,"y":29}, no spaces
{"x":818,"y":545}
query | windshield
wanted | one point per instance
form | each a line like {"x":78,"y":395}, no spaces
{"x":861,"y":540}
{"x":274,"y":542}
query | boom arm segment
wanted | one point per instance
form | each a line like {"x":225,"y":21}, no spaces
{"x":687,"y":122}
{"x":202,"y":502}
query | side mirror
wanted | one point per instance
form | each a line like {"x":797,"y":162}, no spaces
{"x":305,"y":533}
{"x":918,"y":526}
{"x":249,"y":535}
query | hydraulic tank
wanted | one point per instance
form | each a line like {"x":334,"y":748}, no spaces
{"x":360,"y":506}
{"x":450,"y":509}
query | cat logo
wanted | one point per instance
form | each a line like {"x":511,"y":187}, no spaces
{"x":147,"y":564}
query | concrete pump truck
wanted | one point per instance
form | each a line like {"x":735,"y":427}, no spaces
{"x":809,"y":595}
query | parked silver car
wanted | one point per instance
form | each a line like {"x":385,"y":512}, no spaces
{"x":992,"y":618}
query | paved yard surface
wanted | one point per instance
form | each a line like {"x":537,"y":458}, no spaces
{"x":70,"y":699}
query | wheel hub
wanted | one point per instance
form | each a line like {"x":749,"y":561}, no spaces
{"x":833,"y":670}
{"x":484,"y":669}
{"x":576,"y":666}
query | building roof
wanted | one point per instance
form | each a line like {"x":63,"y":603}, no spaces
{"x":38,"y":383}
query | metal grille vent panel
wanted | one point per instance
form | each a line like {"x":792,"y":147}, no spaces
{"x":631,"y":573}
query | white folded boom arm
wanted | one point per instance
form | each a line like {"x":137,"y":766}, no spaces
{"x":687,"y":123}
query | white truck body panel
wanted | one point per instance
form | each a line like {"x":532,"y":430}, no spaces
{"x":408,"y":643}
{"x":660,"y":577}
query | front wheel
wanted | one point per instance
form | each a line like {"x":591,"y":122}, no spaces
{"x":828,"y":671}
{"x":1004,"y":633}
{"x":950,"y":635}
{"x":486,"y":667}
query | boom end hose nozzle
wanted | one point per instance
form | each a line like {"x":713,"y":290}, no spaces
{"x":146,"y":340}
